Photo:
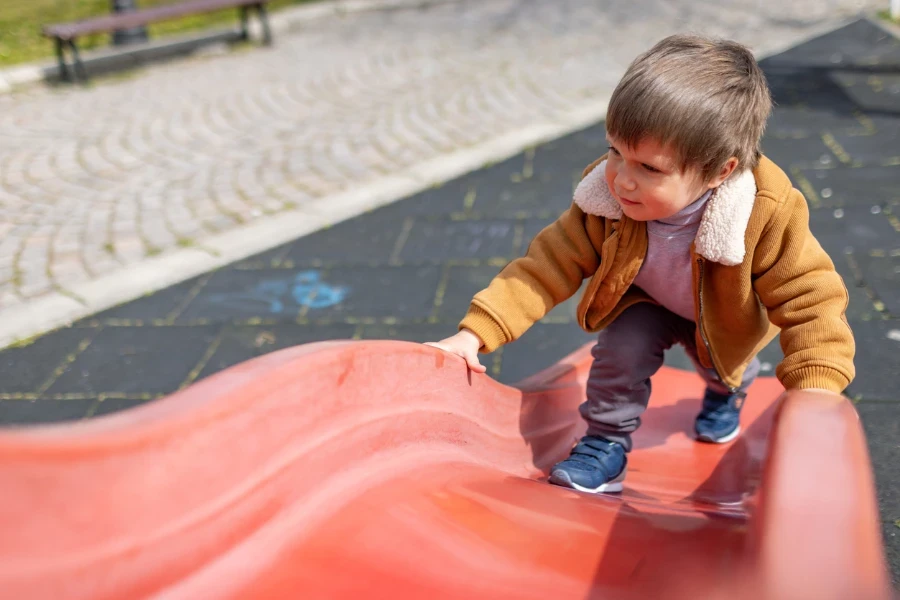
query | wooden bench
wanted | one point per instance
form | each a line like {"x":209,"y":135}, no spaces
{"x":65,"y":34}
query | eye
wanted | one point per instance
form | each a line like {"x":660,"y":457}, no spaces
{"x":650,"y":168}
{"x":612,"y":150}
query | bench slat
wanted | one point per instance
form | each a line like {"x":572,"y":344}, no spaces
{"x":108,"y":23}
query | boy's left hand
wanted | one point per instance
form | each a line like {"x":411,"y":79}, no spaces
{"x":464,"y":344}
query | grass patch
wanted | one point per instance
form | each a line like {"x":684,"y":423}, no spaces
{"x":23,"y":342}
{"x":886,"y":15}
{"x":21,"y":22}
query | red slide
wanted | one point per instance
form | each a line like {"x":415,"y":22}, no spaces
{"x":386,"y":470}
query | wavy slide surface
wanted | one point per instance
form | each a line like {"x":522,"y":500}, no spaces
{"x":386,"y":470}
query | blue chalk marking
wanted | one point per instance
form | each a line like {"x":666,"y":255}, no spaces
{"x":306,"y":289}
{"x":309,"y":291}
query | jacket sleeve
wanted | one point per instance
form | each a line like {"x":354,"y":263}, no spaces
{"x":806,"y":298}
{"x":552,"y":270}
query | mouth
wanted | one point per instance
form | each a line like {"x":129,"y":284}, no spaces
{"x":627,"y":202}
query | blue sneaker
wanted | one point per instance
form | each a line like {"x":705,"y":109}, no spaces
{"x":595,"y":465}
{"x":719,"y":421}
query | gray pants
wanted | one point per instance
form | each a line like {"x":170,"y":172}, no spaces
{"x":627,"y":353}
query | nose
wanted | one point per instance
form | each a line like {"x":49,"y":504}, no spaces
{"x":624,"y":181}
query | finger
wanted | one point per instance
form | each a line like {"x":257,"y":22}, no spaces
{"x":441,"y":346}
{"x":471,"y":359}
{"x":474,"y":364}
{"x":449,"y":349}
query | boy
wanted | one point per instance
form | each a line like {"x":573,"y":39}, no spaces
{"x":688,"y":235}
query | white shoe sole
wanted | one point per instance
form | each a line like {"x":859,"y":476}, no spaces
{"x":612,"y":487}
{"x":721,"y":440}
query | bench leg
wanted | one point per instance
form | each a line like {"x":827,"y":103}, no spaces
{"x":264,"y":20}
{"x":245,"y":23}
{"x":61,"y":57}
{"x":80,"y":71}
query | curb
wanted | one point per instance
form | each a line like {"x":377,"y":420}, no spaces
{"x":282,"y":21}
{"x":885,"y":26}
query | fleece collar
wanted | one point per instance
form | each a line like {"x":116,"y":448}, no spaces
{"x":720,"y":237}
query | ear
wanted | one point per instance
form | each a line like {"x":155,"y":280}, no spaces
{"x":724,"y":173}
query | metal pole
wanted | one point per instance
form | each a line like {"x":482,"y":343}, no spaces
{"x":134,"y":35}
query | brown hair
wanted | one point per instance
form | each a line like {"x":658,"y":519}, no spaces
{"x":707,"y":99}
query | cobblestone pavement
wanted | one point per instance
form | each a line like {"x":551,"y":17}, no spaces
{"x":95,"y":180}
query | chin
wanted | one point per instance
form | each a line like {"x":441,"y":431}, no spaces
{"x":636,"y":215}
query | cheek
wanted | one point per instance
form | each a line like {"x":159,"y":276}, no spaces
{"x":611,"y":172}
{"x":682,"y":194}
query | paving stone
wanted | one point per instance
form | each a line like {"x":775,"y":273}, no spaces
{"x":534,"y":227}
{"x":415,"y":332}
{"x":891,"y":535}
{"x":462,"y":284}
{"x":802,"y":122}
{"x":881,"y":273}
{"x":270,"y":258}
{"x":378,"y":292}
{"x":862,"y":305}
{"x":136,"y":360}
{"x":881,"y":422}
{"x":581,"y":148}
{"x":233,"y":294}
{"x":528,"y":183}
{"x":865,"y":277}
{"x":445,"y":199}
{"x":875,"y":91}
{"x":855,"y":227}
{"x":460,"y":240}
{"x":153,"y":306}
{"x":7,"y":296}
{"x":817,"y":91}
{"x":859,"y":45}
{"x":540,"y":347}
{"x":875,"y":149}
{"x":112,"y":405}
{"x":544,"y":192}
{"x":25,"y":369}
{"x":370,"y":237}
{"x":865,"y":186}
{"x":239,"y":344}
{"x":805,"y":152}
{"x":37,"y":412}
{"x":877,"y":359}
{"x":34,"y":289}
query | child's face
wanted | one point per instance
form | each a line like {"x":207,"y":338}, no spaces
{"x":647,"y":182}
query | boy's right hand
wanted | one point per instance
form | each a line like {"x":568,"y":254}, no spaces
{"x":464,"y":344}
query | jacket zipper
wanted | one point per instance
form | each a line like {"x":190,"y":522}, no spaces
{"x":594,"y":285}
{"x":701,"y":328}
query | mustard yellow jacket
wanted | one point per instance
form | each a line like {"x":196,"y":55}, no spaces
{"x":757,"y":271}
